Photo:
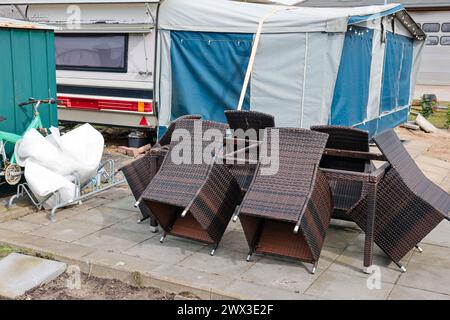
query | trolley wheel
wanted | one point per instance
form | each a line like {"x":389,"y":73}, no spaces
{"x":13,"y":174}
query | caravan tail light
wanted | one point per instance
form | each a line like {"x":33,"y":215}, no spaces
{"x":106,"y":104}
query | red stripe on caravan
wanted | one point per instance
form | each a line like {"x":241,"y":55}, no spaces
{"x":105,"y":104}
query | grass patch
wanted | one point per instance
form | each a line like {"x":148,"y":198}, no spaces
{"x":7,"y":249}
{"x":438,"y":118}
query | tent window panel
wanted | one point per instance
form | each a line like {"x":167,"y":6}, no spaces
{"x":351,"y":92}
{"x":397,"y":72}
{"x":208,"y":71}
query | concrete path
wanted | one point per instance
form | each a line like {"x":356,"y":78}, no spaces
{"x":103,"y":239}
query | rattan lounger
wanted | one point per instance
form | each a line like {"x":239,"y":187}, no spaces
{"x":193,"y":200}
{"x":140,"y":172}
{"x":408,"y":206}
{"x":287,"y":213}
{"x":245,"y":120}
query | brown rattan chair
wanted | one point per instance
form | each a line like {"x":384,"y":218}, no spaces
{"x":408,"y":206}
{"x":167,"y":136}
{"x":346,"y":193}
{"x":245,"y":120}
{"x":286,"y":213}
{"x":347,"y":166}
{"x":193,"y":200}
{"x":140,"y":172}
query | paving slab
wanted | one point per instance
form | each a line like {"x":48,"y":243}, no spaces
{"x":62,"y":249}
{"x":116,"y":193}
{"x":20,"y":273}
{"x":253,"y":291}
{"x":172,"y":251}
{"x":439,"y":236}
{"x":130,"y":224}
{"x":113,"y":239}
{"x":102,"y":216}
{"x":339,"y":236}
{"x":336,"y":285}
{"x":234,"y":240}
{"x":224,"y":262}
{"x":272,"y":272}
{"x":126,"y":203}
{"x":17,"y":238}
{"x":206,"y":281}
{"x":19,"y":226}
{"x":434,"y":278}
{"x":432,"y":255}
{"x":350,"y":262}
{"x":67,"y":230}
{"x":406,"y":293}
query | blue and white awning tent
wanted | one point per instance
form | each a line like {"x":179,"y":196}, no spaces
{"x":342,"y":66}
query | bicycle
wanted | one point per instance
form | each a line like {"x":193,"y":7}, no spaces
{"x":9,"y":169}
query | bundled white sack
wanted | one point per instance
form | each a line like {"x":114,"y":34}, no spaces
{"x":76,"y":153}
{"x":43,"y":182}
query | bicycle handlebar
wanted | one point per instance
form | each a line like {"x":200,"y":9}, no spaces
{"x":45,"y":101}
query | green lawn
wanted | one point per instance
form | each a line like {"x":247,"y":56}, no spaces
{"x":438,"y":118}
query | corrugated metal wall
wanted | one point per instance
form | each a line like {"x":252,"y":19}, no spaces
{"x":27,"y":69}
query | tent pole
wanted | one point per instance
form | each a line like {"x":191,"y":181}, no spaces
{"x":253,"y":53}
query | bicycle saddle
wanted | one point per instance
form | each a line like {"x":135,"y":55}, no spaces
{"x":2,"y":119}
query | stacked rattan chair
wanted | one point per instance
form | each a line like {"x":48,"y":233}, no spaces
{"x":244,"y":171}
{"x":346,"y":192}
{"x":286,"y":212}
{"x":193,"y":200}
{"x":140,"y":172}
{"x":408,"y":206}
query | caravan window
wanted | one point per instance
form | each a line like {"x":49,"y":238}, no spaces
{"x":431,"y":27}
{"x":91,"y":52}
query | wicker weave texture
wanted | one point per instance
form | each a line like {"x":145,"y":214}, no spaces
{"x":246,"y":120}
{"x":346,"y":193}
{"x":299,"y":192}
{"x":281,"y":195}
{"x":207,"y":190}
{"x":167,"y":136}
{"x":141,"y":171}
{"x":408,"y":206}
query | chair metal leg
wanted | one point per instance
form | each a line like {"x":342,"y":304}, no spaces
{"x":249,"y":257}
{"x":314,"y":268}
{"x":142,"y":220}
{"x":214,"y":249}
{"x":153,"y":225}
{"x":419,"y":249}
{"x":402,"y":268}
{"x":163,"y":237}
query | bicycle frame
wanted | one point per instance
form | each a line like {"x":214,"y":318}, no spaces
{"x":6,"y":137}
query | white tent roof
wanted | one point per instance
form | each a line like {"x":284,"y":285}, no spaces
{"x":231,"y":16}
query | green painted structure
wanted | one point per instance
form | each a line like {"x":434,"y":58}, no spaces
{"x":27,"y":69}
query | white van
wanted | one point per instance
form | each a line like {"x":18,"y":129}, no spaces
{"x":104,"y":59}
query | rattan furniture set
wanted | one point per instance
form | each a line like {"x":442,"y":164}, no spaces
{"x":323,"y":173}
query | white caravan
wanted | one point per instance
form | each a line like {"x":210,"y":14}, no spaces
{"x":104,"y":58}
